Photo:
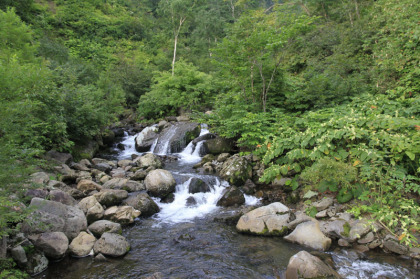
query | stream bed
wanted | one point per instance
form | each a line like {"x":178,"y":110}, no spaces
{"x":189,"y":242}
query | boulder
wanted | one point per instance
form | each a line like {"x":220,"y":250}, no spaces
{"x":190,"y":201}
{"x":198,"y":186}
{"x":304,"y":265}
{"x":125,"y":163}
{"x":139,"y":175}
{"x":145,"y":139}
{"x":271,"y":219}
{"x":39,"y":178}
{"x":309,"y":234}
{"x":79,"y":167}
{"x":110,"y":197}
{"x":36,"y":193}
{"x":204,"y":137}
{"x":143,"y":203}
{"x":160,"y":183}
{"x":121,"y":214}
{"x":53,"y":244}
{"x":218,"y":145}
{"x":82,"y":245}
{"x":335,"y":229}
{"x":148,"y":160}
{"x":236,"y":170}
{"x":87,"y":150}
{"x":88,"y":186}
{"x":105,"y":167}
{"x":102,"y":226}
{"x":50,"y":216}
{"x":124,"y":184}
{"x":33,"y":263}
{"x":358,"y":229}
{"x":62,"y":158}
{"x":231,"y":196}
{"x":179,"y":135}
{"x":392,"y":244}
{"x":323,"y":204}
{"x":108,"y":137}
{"x":112,"y":244}
{"x":62,"y":197}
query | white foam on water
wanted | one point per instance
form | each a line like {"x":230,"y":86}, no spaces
{"x":177,"y":211}
{"x":191,"y":153}
{"x":129,"y":144}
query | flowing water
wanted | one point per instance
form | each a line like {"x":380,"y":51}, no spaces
{"x":188,"y":242}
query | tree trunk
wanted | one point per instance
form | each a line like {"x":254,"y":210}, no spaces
{"x":176,"y":34}
{"x":357,"y":9}
{"x":3,"y":247}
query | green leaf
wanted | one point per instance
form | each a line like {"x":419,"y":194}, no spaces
{"x":410,"y":155}
{"x":310,"y":194}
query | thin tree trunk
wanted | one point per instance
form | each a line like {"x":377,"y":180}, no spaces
{"x":232,"y":7}
{"x":351,"y":19}
{"x":357,"y":9}
{"x":3,"y":247}
{"x":176,"y":34}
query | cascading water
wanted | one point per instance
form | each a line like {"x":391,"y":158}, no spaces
{"x":184,"y":241}
{"x":162,"y":146}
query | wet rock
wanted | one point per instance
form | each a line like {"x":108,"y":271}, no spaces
{"x":50,"y":216}
{"x":249,"y":188}
{"x":343,"y":243}
{"x":323,"y":204}
{"x":117,"y":173}
{"x":367,"y":238}
{"x":112,"y":244}
{"x":121,"y":214}
{"x":145,"y":139}
{"x":304,"y":265}
{"x":361,"y":248}
{"x":223,"y":157}
{"x":110,"y":197}
{"x":108,"y":137}
{"x":33,"y":262}
{"x":102,"y":226}
{"x":62,"y":197}
{"x":125,"y":163}
{"x":100,"y":258}
{"x":297,"y":218}
{"x":88,"y":186}
{"x":374,"y":244}
{"x":190,"y":201}
{"x":218,"y":145}
{"x":208,"y":168}
{"x":79,"y":167}
{"x":82,"y":245}
{"x":39,"y":178}
{"x":160,"y":183}
{"x":231,"y":196}
{"x":392,"y":244}
{"x":53,"y":244}
{"x":139,"y":175}
{"x":236,"y":170}
{"x":148,"y":160}
{"x":359,"y":228}
{"x":203,"y":137}
{"x":143,"y":203}
{"x":310,"y":235}
{"x":103,"y":167}
{"x":335,"y":229}
{"x":198,"y":186}
{"x":266,"y":220}
{"x":92,"y":208}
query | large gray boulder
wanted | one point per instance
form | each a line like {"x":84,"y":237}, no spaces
{"x":39,"y":178}
{"x":160,"y":183}
{"x":109,"y":197}
{"x":62,"y":158}
{"x":92,"y":209}
{"x":236,"y":170}
{"x":198,"y":186}
{"x":103,"y":226}
{"x":145,"y":139}
{"x":305,"y":265}
{"x":53,"y":244}
{"x":231,"y":196}
{"x":148,"y":160}
{"x":266,"y":220}
{"x":218,"y":145}
{"x":87,"y":186}
{"x":143,"y":203}
{"x":62,"y":197}
{"x":122,"y":214}
{"x":82,"y":245}
{"x":309,"y":234}
{"x":50,"y":216}
{"x":179,"y":135}
{"x":112,"y":244}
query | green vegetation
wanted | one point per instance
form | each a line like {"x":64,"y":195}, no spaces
{"x":325,"y":92}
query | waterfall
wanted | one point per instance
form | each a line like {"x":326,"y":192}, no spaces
{"x":162,"y":145}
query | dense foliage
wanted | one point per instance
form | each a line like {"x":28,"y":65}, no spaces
{"x":325,"y":92}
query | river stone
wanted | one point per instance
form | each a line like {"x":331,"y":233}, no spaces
{"x":236,"y":170}
{"x":190,"y":201}
{"x":223,"y":157}
{"x":305,"y":265}
{"x":62,"y":197}
{"x":139,"y":175}
{"x":79,"y":167}
{"x":88,"y":186}
{"x":309,"y":234}
{"x":145,"y":139}
{"x":144,"y":203}
{"x":125,"y":163}
{"x":82,"y":245}
{"x":148,"y":160}
{"x":124,"y":184}
{"x":367,"y":238}
{"x":36,"y":193}
{"x":218,"y":145}
{"x":87,"y":203}
{"x":185,"y":133}
{"x":53,"y":244}
{"x":110,"y":197}
{"x":271,"y":219}
{"x":121,"y":214}
{"x":231,"y":196}
{"x":198,"y":186}
{"x":39,"y":178}
{"x":33,"y":263}
{"x":50,"y":216}
{"x":19,"y":255}
{"x":160,"y":183}
{"x":323,"y":204}
{"x":298,"y":218}
{"x":203,"y":137}
{"x":105,"y":167}
{"x":343,"y":243}
{"x":112,"y":244}
{"x":62,"y":158}
{"x":335,"y":229}
{"x":102,"y":226}
{"x":108,"y":137}
{"x":94,"y":213}
{"x":359,"y":228}
{"x":392,"y":244}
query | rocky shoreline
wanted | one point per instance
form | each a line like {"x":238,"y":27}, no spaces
{"x":82,"y":210}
